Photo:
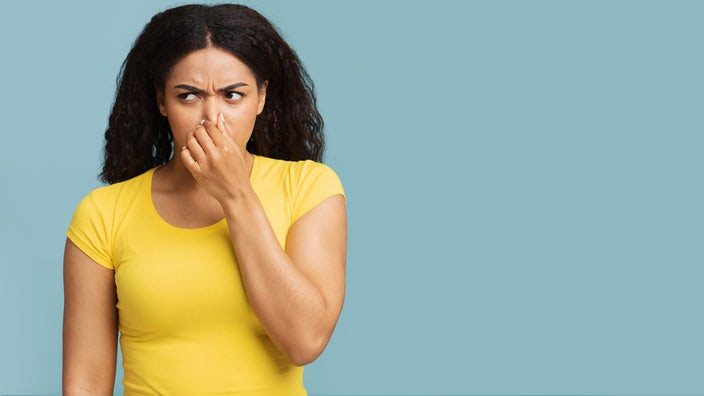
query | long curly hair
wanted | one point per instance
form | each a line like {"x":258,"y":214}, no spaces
{"x":139,"y":138}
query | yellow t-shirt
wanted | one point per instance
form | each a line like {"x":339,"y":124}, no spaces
{"x":186,"y":326}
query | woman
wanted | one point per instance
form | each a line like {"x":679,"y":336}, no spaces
{"x":218,"y":248}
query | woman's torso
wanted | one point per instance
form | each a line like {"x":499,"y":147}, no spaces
{"x":185,"y":323}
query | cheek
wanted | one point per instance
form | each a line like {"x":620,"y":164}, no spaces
{"x":241,"y":118}
{"x":182,"y":119}
{"x":181,"y":126}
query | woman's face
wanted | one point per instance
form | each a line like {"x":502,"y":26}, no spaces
{"x":208,"y":82}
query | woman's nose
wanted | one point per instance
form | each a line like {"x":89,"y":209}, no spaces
{"x":211,"y":111}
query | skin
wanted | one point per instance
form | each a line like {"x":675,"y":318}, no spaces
{"x":296,"y":293}
{"x":89,"y":325}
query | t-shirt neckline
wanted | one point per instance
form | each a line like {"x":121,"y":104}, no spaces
{"x":207,"y":228}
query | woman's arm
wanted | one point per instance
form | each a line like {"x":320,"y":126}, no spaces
{"x":297,"y":294}
{"x":89,"y":325}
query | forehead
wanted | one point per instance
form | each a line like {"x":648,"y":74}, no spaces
{"x":210,"y":65}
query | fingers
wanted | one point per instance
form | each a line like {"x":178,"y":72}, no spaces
{"x":195,"y":148}
{"x":219,"y":136}
{"x":222,"y":125}
{"x":189,"y":161}
{"x":205,"y":140}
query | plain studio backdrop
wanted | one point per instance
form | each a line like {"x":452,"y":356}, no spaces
{"x":523,"y":179}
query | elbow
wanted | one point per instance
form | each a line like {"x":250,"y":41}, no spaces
{"x":69,"y":389}
{"x":308,"y":352}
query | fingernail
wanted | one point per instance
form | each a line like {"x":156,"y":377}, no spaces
{"x":222,"y":117}
{"x":202,"y":122}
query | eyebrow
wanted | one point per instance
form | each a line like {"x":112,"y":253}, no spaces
{"x":200,"y":91}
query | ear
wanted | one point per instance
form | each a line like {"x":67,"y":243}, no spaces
{"x":262,"y":97}
{"x":160,"y":102}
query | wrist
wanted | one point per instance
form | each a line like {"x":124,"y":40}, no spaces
{"x":239,"y":202}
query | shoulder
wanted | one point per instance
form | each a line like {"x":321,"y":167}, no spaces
{"x":312,"y":182}
{"x":298,"y":173}
{"x":105,"y":198}
{"x":310,"y":167}
{"x":309,"y":172}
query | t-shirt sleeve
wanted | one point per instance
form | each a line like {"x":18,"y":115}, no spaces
{"x":316,"y":181}
{"x":89,"y":231}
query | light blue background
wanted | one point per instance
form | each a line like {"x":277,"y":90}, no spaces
{"x":523,"y":178}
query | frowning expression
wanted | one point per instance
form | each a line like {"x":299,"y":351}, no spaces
{"x":208,"y":82}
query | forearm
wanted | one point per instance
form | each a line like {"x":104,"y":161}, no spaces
{"x":289,"y":306}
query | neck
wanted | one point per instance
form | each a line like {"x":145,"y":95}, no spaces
{"x":179,"y":178}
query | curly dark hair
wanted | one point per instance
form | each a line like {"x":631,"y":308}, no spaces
{"x":139,"y":138}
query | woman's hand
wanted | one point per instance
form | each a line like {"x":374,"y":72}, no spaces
{"x":215,"y":161}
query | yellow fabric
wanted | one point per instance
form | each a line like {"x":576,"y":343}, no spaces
{"x":186,"y":326}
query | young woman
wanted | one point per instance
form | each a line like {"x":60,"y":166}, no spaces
{"x":218,"y":247}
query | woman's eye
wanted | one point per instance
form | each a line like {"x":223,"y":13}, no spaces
{"x":185,"y":95}
{"x":235,"y":95}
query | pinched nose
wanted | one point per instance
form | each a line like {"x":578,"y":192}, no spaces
{"x":211,"y":110}
{"x":211,"y":118}
{"x":214,"y":120}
